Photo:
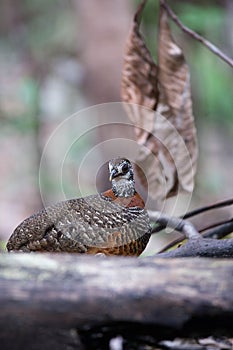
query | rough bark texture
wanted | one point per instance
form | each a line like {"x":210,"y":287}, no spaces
{"x":46,"y":298}
{"x":207,"y":248}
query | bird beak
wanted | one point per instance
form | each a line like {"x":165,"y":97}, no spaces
{"x":113,"y":174}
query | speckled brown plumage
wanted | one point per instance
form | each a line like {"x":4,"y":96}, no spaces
{"x":114,"y":222}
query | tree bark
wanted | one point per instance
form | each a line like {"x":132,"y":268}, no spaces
{"x":62,"y":292}
{"x":203,"y":247}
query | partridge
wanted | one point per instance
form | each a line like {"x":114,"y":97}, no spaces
{"x":114,"y":222}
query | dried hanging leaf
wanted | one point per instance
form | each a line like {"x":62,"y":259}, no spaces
{"x":158,"y":161}
{"x":139,"y":81}
{"x":169,"y":136}
{"x":175,"y":102}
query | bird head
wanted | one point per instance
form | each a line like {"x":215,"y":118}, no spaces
{"x":122,"y":177}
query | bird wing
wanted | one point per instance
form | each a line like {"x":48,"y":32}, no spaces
{"x":75,"y":224}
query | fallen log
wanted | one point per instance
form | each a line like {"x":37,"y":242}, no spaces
{"x":163,"y":298}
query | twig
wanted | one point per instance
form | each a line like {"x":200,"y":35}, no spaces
{"x":198,"y":211}
{"x":219,"y":230}
{"x":178,"y":224}
{"x":171,"y":244}
{"x":221,"y":204}
{"x":196,"y":36}
{"x":214,"y":225}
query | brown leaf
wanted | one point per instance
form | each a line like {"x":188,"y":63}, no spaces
{"x":157,"y":160}
{"x":175,"y":104}
{"x":139,"y":80}
{"x":168,"y":136}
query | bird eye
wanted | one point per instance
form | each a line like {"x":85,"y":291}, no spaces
{"x":125,"y":168}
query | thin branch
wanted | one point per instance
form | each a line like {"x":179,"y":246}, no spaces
{"x":220,"y":230}
{"x":198,"y":211}
{"x":196,"y":36}
{"x":217,"y":205}
{"x":178,"y":224}
{"x":171,"y":244}
{"x":214,"y":225}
